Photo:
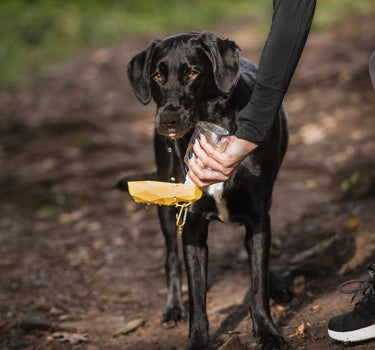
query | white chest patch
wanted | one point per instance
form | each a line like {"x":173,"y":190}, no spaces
{"x":216,"y":191}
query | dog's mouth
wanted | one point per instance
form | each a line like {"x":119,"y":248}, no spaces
{"x":175,"y":133}
{"x":173,"y":121}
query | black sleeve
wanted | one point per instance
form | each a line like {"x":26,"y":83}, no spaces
{"x":291,"y":22}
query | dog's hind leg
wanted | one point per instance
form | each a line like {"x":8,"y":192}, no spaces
{"x":196,"y":259}
{"x":257,"y":243}
{"x":278,"y":291}
{"x":174,"y":309}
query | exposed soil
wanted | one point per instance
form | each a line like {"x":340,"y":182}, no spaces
{"x":80,"y":261}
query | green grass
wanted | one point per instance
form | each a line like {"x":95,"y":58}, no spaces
{"x":330,"y":13}
{"x":37,"y":32}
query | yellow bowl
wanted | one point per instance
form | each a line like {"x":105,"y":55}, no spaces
{"x":163,"y":193}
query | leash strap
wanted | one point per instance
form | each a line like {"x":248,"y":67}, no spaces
{"x":181,"y":216}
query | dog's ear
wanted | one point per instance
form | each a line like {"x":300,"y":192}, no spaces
{"x":139,"y":73}
{"x":224,"y":55}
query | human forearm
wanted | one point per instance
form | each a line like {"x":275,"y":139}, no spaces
{"x":290,"y":27}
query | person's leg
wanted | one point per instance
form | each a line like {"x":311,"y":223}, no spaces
{"x":359,"y":324}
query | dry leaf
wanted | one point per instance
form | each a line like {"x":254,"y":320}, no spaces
{"x":233,"y":343}
{"x":129,"y":327}
{"x":72,"y":338}
{"x":353,"y":223}
{"x":301,"y":329}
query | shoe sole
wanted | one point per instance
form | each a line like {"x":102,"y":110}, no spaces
{"x":353,"y":336}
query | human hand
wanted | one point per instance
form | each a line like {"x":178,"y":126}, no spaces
{"x":208,"y":165}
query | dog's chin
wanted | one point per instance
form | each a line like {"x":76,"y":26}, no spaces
{"x":174,"y":134}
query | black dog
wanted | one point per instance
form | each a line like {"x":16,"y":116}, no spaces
{"x":195,"y":77}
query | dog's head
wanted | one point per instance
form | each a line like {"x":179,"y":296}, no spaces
{"x":180,"y":73}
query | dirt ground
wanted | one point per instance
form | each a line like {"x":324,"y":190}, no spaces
{"x":81,"y":265}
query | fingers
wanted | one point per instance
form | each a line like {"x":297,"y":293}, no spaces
{"x":203,"y":176}
{"x":196,"y":180}
{"x":210,"y":157}
{"x":205,"y":166}
{"x":210,"y":164}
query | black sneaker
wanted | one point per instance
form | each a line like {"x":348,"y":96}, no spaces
{"x":359,"y":324}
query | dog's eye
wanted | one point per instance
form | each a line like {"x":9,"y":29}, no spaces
{"x":157,"y":77}
{"x":192,"y":74}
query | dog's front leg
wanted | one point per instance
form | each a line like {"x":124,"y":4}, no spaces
{"x":257,"y":243}
{"x":196,"y":258}
{"x":174,"y":309}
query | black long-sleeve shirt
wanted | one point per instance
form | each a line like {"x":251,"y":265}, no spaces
{"x":291,"y":22}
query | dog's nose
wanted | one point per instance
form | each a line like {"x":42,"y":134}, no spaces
{"x":169,"y":119}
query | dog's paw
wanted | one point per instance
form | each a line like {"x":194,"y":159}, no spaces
{"x":272,"y":341}
{"x":173,"y":315}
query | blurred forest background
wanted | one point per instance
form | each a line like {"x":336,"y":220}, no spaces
{"x":81,"y":264}
{"x":36,"y":32}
